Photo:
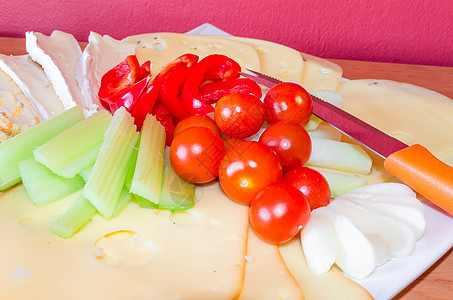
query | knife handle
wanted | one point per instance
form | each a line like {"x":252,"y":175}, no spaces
{"x":425,"y":173}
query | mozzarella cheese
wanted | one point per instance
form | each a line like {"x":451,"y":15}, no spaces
{"x":266,"y":275}
{"x":276,"y":60}
{"x":58,"y":54}
{"x":100,"y":55}
{"x":320,"y":74}
{"x":164,"y":47}
{"x":143,"y":254}
{"x":34,"y":84}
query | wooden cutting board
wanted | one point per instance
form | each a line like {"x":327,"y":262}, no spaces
{"x":437,"y":281}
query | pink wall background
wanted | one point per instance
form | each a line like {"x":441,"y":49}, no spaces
{"x":404,"y":31}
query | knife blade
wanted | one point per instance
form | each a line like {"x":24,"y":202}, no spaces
{"x":414,"y":165}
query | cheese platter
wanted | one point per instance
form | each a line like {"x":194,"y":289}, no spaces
{"x":381,"y":284}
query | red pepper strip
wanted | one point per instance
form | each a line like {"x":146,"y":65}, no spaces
{"x":212,"y":92}
{"x":186,"y":60}
{"x":171,"y":89}
{"x":125,"y":98}
{"x":121,"y":77}
{"x":213,"y":67}
{"x":144,"y":105}
{"x":145,"y":69}
{"x":167,"y":120}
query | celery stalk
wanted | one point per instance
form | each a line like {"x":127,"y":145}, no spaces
{"x":147,"y":180}
{"x":43,"y":186}
{"x":21,"y":147}
{"x":123,"y":201}
{"x":74,"y":218}
{"x":85,"y":172}
{"x":176,"y":193}
{"x":106,"y":181}
{"x":75,"y":148}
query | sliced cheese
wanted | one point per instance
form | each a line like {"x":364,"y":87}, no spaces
{"x":34,"y":84}
{"x":266,"y":275}
{"x":407,"y":112}
{"x":330,"y":285}
{"x":320,"y":74}
{"x":58,"y":54}
{"x":100,"y":55}
{"x":142,"y":254}
{"x":276,"y":60}
{"x":164,"y":47}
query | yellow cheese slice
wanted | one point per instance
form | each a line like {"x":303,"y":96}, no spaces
{"x":320,"y":74}
{"x":407,"y":112}
{"x":276,"y":60}
{"x":266,"y":275}
{"x":164,"y":47}
{"x":142,"y":254}
{"x":330,"y":285}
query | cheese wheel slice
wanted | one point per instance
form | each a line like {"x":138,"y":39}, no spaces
{"x":164,"y":47}
{"x":330,"y":285}
{"x":320,"y":74}
{"x":276,"y":60}
{"x":58,"y":54}
{"x":100,"y":55}
{"x":30,"y":78}
{"x":266,"y":275}
{"x":142,"y":254}
{"x":407,"y":112}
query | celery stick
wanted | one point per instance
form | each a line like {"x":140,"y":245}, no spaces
{"x":341,"y":183}
{"x":75,"y":148}
{"x":43,"y":186}
{"x":106,"y":181}
{"x":85,"y":172}
{"x":74,"y":218}
{"x":147,"y":179}
{"x":123,"y":201}
{"x":21,"y":147}
{"x":176,"y":193}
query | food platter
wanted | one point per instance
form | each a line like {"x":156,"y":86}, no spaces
{"x":391,"y":278}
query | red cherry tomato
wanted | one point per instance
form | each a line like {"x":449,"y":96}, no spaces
{"x":279,"y":212}
{"x":247,"y":168}
{"x":290,"y":141}
{"x":311,"y":183}
{"x":288,"y":102}
{"x":196,"y":120}
{"x":239,"y":115}
{"x":195,"y":154}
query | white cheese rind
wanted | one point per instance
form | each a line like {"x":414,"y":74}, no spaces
{"x":34,"y":84}
{"x":100,"y":55}
{"x":58,"y":54}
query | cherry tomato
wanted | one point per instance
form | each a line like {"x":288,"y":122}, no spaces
{"x":195,"y":154}
{"x":311,"y":183}
{"x":279,"y":212}
{"x":239,"y":115}
{"x":290,"y":141}
{"x":230,"y":143}
{"x":196,"y":120}
{"x":247,"y":168}
{"x":288,"y":102}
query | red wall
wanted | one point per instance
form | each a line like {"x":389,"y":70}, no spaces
{"x":403,"y":31}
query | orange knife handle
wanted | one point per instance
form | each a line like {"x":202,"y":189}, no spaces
{"x":425,"y":173}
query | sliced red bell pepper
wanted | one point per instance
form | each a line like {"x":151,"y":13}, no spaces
{"x":187,"y":60}
{"x":212,"y":92}
{"x":214,"y":67}
{"x":167,"y":120}
{"x":121,"y":77}
{"x":144,"y":105}
{"x":126,"y":97}
{"x":145,"y":69}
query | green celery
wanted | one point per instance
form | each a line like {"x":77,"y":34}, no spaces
{"x":106,"y":181}
{"x":74,"y":218}
{"x":176,"y":193}
{"x":43,"y":186}
{"x":75,"y":148}
{"x":123,"y":201}
{"x":147,"y":180}
{"x":85,"y":172}
{"x":21,"y":147}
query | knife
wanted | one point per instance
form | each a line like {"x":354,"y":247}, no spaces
{"x":414,"y":165}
